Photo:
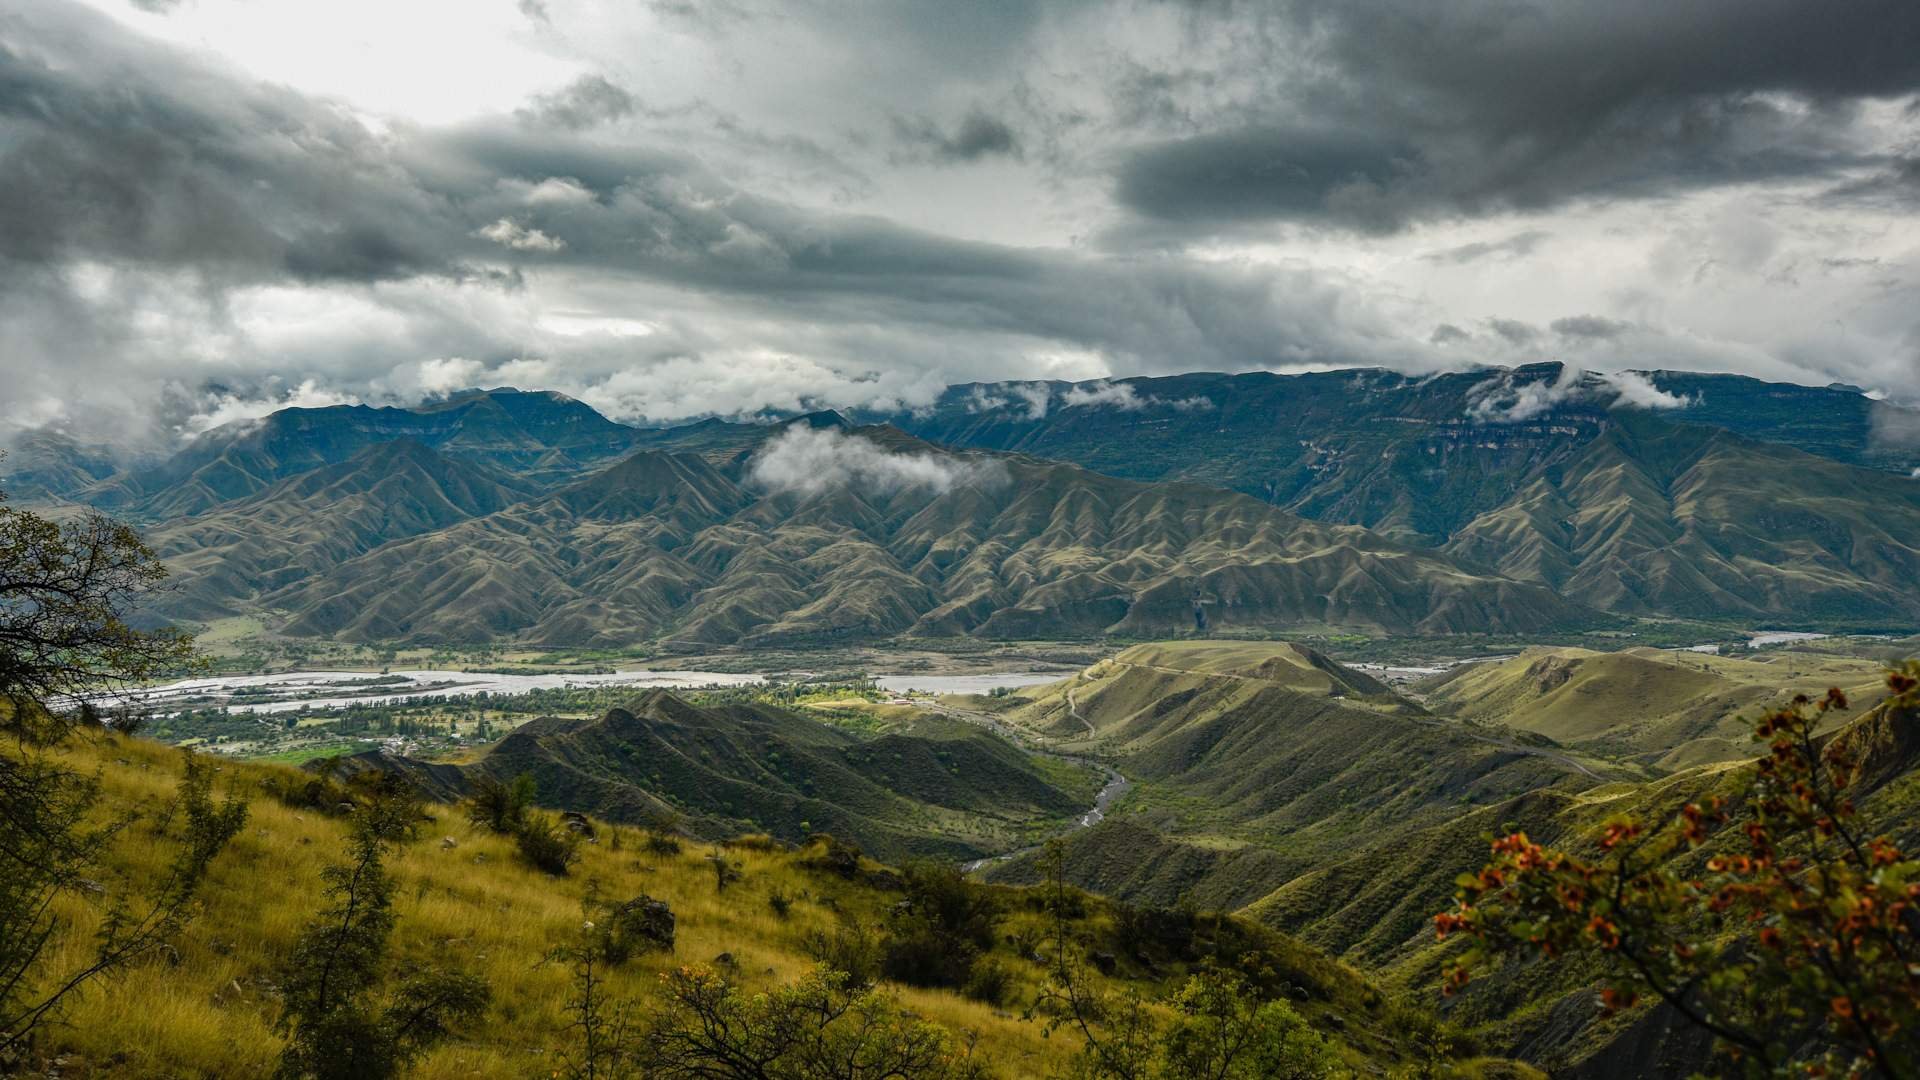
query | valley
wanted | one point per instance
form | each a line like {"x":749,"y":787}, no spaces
{"x":1295,"y":685}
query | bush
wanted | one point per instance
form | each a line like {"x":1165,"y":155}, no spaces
{"x":725,"y":872}
{"x":546,"y":845}
{"x":990,"y":981}
{"x":780,"y":903}
{"x":830,"y":853}
{"x":500,"y":807}
{"x":938,"y":931}
{"x":851,"y":950}
{"x":817,"y":1028}
{"x":662,"y":844}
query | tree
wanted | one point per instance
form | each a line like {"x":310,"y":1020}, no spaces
{"x":605,"y":1047}
{"x":500,"y":807}
{"x":1220,"y":1027}
{"x":68,"y":594}
{"x":1772,"y":917}
{"x":339,"y":960}
{"x":817,"y":1028}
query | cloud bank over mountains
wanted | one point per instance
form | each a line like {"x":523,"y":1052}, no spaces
{"x":674,"y":211}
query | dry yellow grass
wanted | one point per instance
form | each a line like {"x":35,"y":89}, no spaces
{"x":474,"y":905}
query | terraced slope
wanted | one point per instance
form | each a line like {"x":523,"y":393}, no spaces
{"x":1667,"y":709}
{"x":668,"y":546}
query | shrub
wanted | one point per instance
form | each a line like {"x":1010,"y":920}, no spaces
{"x":1822,"y":979}
{"x":827,"y":852}
{"x":817,"y":1028}
{"x":500,"y":807}
{"x":334,"y":1028}
{"x":662,"y":844}
{"x":725,"y":872}
{"x":849,"y":949}
{"x":547,"y":845}
{"x":990,"y":981}
{"x":936,"y":933}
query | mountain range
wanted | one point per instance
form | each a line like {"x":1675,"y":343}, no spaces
{"x":1524,"y":501}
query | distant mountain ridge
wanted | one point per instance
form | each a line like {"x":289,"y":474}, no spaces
{"x":1472,"y":481}
{"x":540,"y":436}
{"x":666,"y":545}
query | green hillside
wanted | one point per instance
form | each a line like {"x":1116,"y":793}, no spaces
{"x":1259,"y":762}
{"x":231,"y":555}
{"x":1689,"y":521}
{"x":1662,"y":708}
{"x":934,"y":788}
{"x":1347,"y":821}
{"x":463,"y":897}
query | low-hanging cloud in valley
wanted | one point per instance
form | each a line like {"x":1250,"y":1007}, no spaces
{"x":811,"y":461}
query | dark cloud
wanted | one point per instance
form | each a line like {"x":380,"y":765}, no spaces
{"x":1428,"y":111}
{"x":1264,"y":173}
{"x":589,"y":101}
{"x":978,"y":135}
{"x":1523,"y":243}
{"x":1591,"y":327}
{"x":1513,"y":331}
{"x":146,"y":165}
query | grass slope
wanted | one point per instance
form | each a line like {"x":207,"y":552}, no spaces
{"x":463,"y":897}
{"x":1666,"y":709}
{"x":934,"y":788}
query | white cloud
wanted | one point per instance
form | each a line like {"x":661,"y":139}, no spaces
{"x":511,"y":234}
{"x":233,"y":408}
{"x":1636,"y":390}
{"x":1037,"y":396}
{"x":1102,"y":393}
{"x":809,"y":461}
{"x":1505,"y":400}
{"x":557,"y":190}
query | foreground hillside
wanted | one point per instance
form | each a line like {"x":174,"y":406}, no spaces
{"x":1273,"y":783}
{"x":464,"y":897}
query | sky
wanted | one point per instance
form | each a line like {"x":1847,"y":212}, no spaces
{"x":678,"y":208}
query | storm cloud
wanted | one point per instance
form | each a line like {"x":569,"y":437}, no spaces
{"x":673,"y":211}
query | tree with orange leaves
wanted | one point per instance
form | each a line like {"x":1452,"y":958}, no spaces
{"x":1772,"y":918}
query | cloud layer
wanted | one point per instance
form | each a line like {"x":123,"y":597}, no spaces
{"x":678,"y":210}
